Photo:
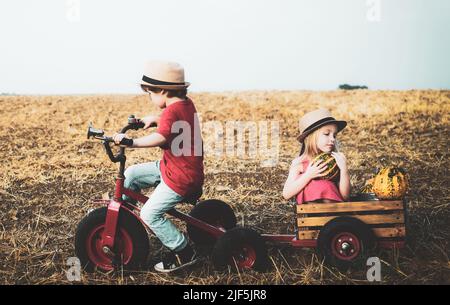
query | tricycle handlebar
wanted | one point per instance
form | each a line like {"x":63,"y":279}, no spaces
{"x":133,"y":123}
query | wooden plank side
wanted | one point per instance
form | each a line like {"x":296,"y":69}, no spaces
{"x":390,"y":232}
{"x":311,"y":234}
{"x":396,"y":217}
{"x":311,"y":208}
{"x":399,"y":231}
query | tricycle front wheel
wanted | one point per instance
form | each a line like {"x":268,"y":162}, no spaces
{"x":131,"y":242}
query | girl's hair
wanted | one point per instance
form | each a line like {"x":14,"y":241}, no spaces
{"x":309,"y":146}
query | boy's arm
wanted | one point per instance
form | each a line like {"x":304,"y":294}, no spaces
{"x":162,"y":135}
{"x":152,"y":140}
{"x":150,"y":119}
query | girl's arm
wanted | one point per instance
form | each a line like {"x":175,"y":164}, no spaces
{"x":295,"y":184}
{"x":344,"y":183}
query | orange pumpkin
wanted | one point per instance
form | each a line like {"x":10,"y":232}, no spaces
{"x":390,"y":183}
{"x":368,"y":187}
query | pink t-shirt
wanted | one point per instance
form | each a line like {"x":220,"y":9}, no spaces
{"x":318,"y":189}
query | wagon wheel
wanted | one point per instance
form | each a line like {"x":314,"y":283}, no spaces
{"x":131,"y":242}
{"x":345,"y":242}
{"x":242,"y":248}
{"x":214,"y":212}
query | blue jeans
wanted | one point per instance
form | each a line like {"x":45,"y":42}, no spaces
{"x":162,"y":199}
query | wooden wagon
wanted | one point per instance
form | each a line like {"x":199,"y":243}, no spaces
{"x":345,"y":232}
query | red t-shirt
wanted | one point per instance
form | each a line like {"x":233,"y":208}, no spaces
{"x":182,"y":162}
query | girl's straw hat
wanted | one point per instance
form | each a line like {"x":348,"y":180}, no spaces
{"x":164,"y":75}
{"x":314,"y":120}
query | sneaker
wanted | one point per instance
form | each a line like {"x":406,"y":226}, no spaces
{"x":177,"y":260}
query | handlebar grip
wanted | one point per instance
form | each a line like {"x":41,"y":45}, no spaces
{"x":126,"y":142}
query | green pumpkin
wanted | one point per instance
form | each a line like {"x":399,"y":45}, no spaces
{"x":332,"y":170}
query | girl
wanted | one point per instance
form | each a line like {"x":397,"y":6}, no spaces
{"x":318,"y":130}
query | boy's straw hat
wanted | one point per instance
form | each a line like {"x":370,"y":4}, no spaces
{"x":314,"y":120}
{"x":164,"y":75}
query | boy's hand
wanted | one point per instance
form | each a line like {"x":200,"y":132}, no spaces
{"x":314,"y":170}
{"x":341,"y":161}
{"x":150,"y":120}
{"x":117,"y":137}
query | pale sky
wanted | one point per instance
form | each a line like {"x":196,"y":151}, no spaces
{"x":224,"y":44}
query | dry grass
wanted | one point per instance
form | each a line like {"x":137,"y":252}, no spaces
{"x":50,"y":172}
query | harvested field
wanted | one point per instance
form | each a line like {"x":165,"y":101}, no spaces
{"x":50,"y":172}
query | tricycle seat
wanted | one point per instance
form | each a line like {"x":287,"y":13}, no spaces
{"x":194,"y":197}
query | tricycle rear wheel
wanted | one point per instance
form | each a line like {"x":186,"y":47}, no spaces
{"x":214,"y":212}
{"x":242,"y":248}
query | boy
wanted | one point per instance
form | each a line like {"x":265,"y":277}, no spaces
{"x":179,"y":175}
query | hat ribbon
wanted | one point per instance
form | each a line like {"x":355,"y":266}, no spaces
{"x":159,"y":82}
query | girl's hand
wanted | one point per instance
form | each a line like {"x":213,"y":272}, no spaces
{"x":341,"y":161}
{"x":117,"y":137}
{"x":314,"y":170}
{"x":149,"y":120}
